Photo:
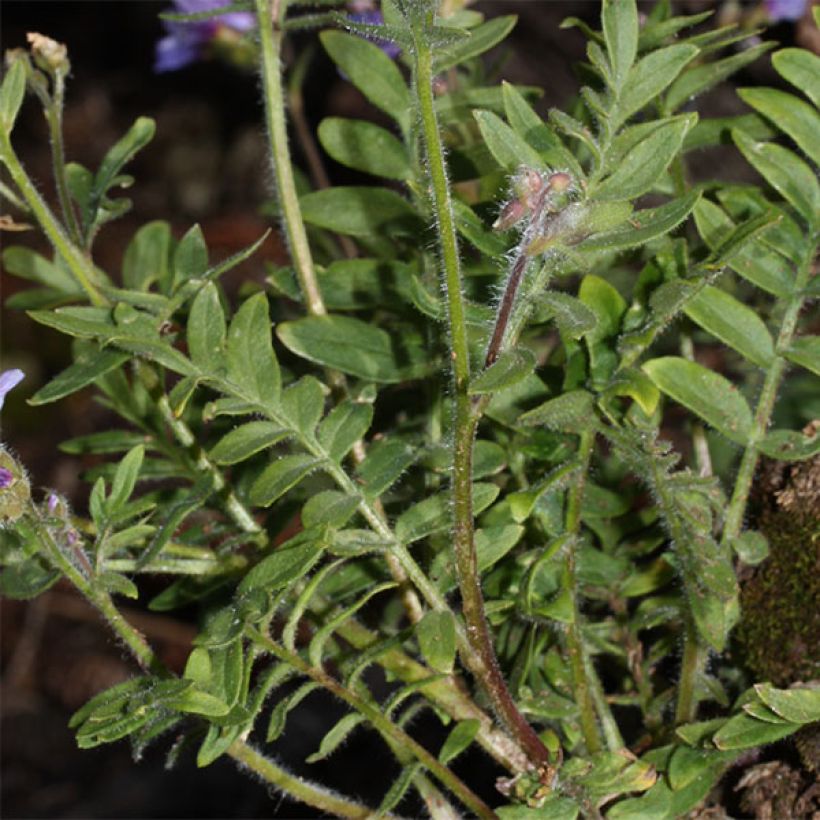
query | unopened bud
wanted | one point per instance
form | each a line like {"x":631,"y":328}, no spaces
{"x":528,"y":185}
{"x":514,"y":211}
{"x":50,"y":55}
{"x":559,"y":182}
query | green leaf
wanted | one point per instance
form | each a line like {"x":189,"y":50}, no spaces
{"x":147,"y":256}
{"x":573,"y":317}
{"x":279,"y":715}
{"x":645,"y":162}
{"x":702,"y":77}
{"x":511,"y":367}
{"x":303,"y":404}
{"x":434,"y":514}
{"x":436,"y":634}
{"x":336,"y":736}
{"x":344,"y":425}
{"x":636,"y":385}
{"x":643,"y":226}
{"x":386,"y":460}
{"x":252,"y":365}
{"x":650,"y":76}
{"x":571,"y":412}
{"x":554,"y":808}
{"x":190,"y":256}
{"x":125,"y":479}
{"x":287,"y":563}
{"x":605,"y":302}
{"x":372,"y":72}
{"x":365,"y":147}
{"x":481,"y":38}
{"x":751,"y":547}
{"x":12,"y":92}
{"x":206,"y":329}
{"x":247,"y":440}
{"x":121,"y":153}
{"x":789,"y":113}
{"x":27,"y":264}
{"x":535,"y":132}
{"x":792,"y":178}
{"x":523,"y":502}
{"x":91,"y":363}
{"x":459,"y":739}
{"x":745,"y":732}
{"x":398,"y":788}
{"x":509,"y":150}
{"x":739,"y":249}
{"x":27,"y":579}
{"x":280,"y":476}
{"x":355,"y":347}
{"x":733,"y":323}
{"x":329,"y":507}
{"x":805,"y":351}
{"x":471,"y":227}
{"x":357,"y":210}
{"x":789,"y":445}
{"x":491,"y":545}
{"x":198,"y":702}
{"x":801,"y":68}
{"x":706,"y":393}
{"x":718,"y":131}
{"x":797,"y":705}
{"x":619,"y":19}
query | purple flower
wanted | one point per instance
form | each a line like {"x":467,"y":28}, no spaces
{"x":785,"y":9}
{"x":52,"y":502}
{"x":6,"y":477}
{"x":362,"y":13}
{"x":186,"y":42}
{"x":9,"y":379}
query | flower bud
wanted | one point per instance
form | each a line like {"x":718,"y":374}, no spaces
{"x":49,"y":55}
{"x":514,"y":211}
{"x":559,"y":182}
{"x":14,"y":488}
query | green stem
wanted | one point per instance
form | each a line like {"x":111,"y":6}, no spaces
{"x":54,"y":117}
{"x":444,"y":692}
{"x":270,"y":40}
{"x":480,"y":646}
{"x":694,"y":654}
{"x":612,"y":734}
{"x":379,"y":721}
{"x":295,"y":786}
{"x":574,"y":636}
{"x":765,"y":404}
{"x":79,"y":265}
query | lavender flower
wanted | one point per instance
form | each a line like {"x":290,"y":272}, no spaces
{"x":6,"y":477}
{"x":52,"y":502}
{"x":9,"y":379}
{"x":785,"y":9}
{"x":187,"y":42}
{"x":362,"y":11}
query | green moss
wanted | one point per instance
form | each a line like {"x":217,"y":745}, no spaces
{"x":781,"y":602}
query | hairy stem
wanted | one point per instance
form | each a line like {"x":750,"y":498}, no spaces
{"x":574,"y":637}
{"x":270,"y":39}
{"x":83,"y":270}
{"x":480,"y":645}
{"x":54,"y":117}
{"x":379,"y":721}
{"x":765,"y":403}
{"x":295,"y":786}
